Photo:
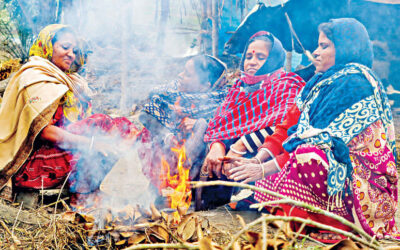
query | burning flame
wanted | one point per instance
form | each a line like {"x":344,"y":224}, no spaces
{"x":180,"y":196}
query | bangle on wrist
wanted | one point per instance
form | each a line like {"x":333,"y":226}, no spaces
{"x":258,"y":160}
{"x":219,"y":142}
{"x":237,"y":151}
{"x":263,"y":170}
{"x":167,"y":137}
{"x":261,"y":165}
{"x":91,"y":143}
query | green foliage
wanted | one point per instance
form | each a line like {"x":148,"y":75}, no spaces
{"x":20,"y":22}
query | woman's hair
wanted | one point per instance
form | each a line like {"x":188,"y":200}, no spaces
{"x":351,"y":40}
{"x":60,"y":33}
{"x":264,"y":38}
{"x":327,"y":29}
{"x":208,"y":68}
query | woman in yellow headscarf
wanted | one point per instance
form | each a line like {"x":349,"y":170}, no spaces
{"x":46,"y":120}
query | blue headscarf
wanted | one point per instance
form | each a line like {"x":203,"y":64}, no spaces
{"x":276,"y":57}
{"x":352,"y":43}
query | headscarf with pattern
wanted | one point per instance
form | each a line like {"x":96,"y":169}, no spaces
{"x":43,"y":45}
{"x":76,"y":101}
{"x":256,"y":101}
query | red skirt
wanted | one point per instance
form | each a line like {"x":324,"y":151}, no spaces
{"x":48,"y":165}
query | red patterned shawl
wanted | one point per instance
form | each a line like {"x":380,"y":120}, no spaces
{"x":243,"y":113}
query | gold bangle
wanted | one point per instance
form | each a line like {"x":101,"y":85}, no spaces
{"x":263,"y":171}
{"x":237,"y":151}
{"x":262,"y":166}
{"x":258,"y":159}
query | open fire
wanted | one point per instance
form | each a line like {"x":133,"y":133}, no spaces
{"x":176,"y":187}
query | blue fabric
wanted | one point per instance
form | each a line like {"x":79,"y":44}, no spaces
{"x":275,"y":60}
{"x":337,"y":97}
{"x":365,"y":104}
{"x":352,"y":42}
{"x":340,"y":103}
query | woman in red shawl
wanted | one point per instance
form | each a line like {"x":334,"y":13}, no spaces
{"x":254,"y":105}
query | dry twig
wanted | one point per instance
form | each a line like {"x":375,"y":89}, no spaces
{"x":295,"y":203}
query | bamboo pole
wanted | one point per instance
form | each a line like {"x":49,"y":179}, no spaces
{"x":215,"y":27}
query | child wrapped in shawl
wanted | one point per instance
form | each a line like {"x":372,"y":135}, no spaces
{"x":181,"y":112}
{"x":256,"y":103}
{"x":47,"y":127}
{"x":340,"y":153}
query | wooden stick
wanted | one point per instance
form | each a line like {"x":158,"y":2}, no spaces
{"x":311,"y":239}
{"x":53,"y":203}
{"x":264,"y":234}
{"x":300,"y":220}
{"x":16,"y":218}
{"x":15,"y":239}
{"x":59,"y":194}
{"x":163,"y":245}
{"x":287,"y":200}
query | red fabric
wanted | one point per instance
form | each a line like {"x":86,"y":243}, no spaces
{"x":243,"y":113}
{"x":101,"y":123}
{"x":45,"y":168}
{"x":48,"y":165}
{"x":274,"y":142}
{"x":289,"y":210}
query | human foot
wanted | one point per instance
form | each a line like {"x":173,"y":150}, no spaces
{"x":326,"y":236}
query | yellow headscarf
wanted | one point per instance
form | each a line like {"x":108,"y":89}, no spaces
{"x":43,"y":45}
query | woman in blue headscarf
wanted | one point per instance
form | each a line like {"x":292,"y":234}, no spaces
{"x":340,"y":153}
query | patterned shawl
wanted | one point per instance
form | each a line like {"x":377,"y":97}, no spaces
{"x":171,"y":106}
{"x":337,"y":109}
{"x":339,"y":104}
{"x":259,"y":101}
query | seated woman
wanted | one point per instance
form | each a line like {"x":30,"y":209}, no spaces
{"x":181,"y":112}
{"x":47,"y":126}
{"x":340,"y":153}
{"x":254,"y":105}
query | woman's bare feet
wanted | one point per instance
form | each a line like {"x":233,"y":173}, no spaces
{"x":325,"y":236}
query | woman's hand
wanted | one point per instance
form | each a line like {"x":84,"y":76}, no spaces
{"x":238,"y":146}
{"x":187,"y":124}
{"x":252,"y":172}
{"x":67,"y":140}
{"x":212,"y":163}
{"x":102,"y":147}
{"x":234,"y":161}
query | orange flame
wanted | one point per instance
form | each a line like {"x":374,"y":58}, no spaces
{"x":181,"y":195}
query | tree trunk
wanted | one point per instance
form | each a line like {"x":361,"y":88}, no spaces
{"x":205,"y":40}
{"x":124,"y":60}
{"x":289,"y":56}
{"x":215,"y":27}
{"x":162,"y":25}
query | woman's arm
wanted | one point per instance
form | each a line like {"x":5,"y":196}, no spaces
{"x":63,"y":138}
{"x":212,"y":163}
{"x":273,"y":143}
{"x":67,"y":140}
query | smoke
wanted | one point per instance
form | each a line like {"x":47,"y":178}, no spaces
{"x":127,"y":60}
{"x":129,"y":55}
